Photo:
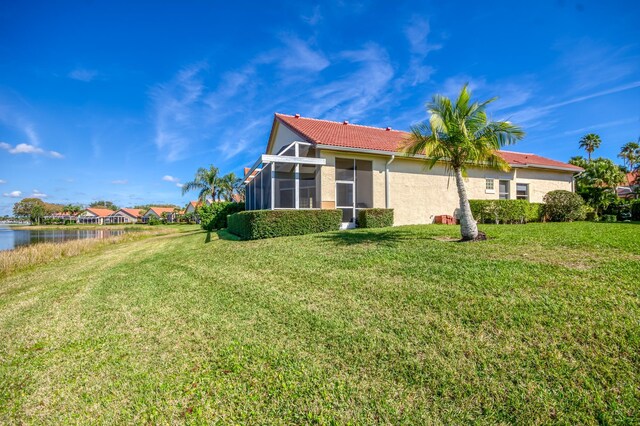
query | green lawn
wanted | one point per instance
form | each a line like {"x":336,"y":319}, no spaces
{"x":539,"y":324}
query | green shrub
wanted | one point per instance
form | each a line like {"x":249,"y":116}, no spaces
{"x":563,"y":206}
{"x":506,"y":211}
{"x":589,"y":213}
{"x":256,"y":224}
{"x":635,"y":210}
{"x":609,"y":218}
{"x":214,"y":216}
{"x":154,"y":221}
{"x":375,"y":218}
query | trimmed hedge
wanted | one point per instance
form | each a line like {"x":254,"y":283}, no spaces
{"x":214,"y":216}
{"x":256,"y":224}
{"x":506,"y":211}
{"x":635,"y":210}
{"x":375,"y":218}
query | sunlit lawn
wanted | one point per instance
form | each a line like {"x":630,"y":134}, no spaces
{"x":539,"y":324}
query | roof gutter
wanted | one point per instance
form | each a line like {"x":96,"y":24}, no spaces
{"x":387,"y":185}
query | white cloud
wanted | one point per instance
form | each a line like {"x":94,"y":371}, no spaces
{"x":530,"y":114}
{"x":315,"y":17}
{"x":300,"y":56}
{"x":25,"y":148}
{"x":169,"y":178}
{"x":120,"y":182}
{"x":417,"y":32}
{"x":82,"y":74}
{"x":179,"y":185}
{"x":38,"y":194}
{"x":2,"y":181}
{"x":178,"y":105}
{"x":359,"y":91}
{"x":13,"y":194}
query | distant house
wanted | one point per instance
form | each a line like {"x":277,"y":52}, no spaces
{"x":125,"y":216}
{"x":631,"y":186}
{"x":94,"y":216}
{"x":192,"y":207}
{"x":158,"y":212}
{"x":65,"y":216}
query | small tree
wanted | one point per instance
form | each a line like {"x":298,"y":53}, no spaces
{"x":31,"y":209}
{"x":104,"y":204}
{"x":590,"y":143}
{"x":597,"y":184}
{"x":630,"y":154}
{"x":459,"y":134}
{"x":563,"y":206}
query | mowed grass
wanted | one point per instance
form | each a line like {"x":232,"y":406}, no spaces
{"x":539,"y":324}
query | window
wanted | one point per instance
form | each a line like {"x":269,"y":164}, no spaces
{"x":504,"y":189}
{"x":489,"y":185}
{"x":522,"y":191}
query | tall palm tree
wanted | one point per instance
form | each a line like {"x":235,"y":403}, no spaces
{"x":459,"y":135}
{"x":229,"y":185}
{"x":590,"y":143}
{"x":207,"y":181}
{"x":630,"y":154}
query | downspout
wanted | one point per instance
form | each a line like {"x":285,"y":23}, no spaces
{"x":387,"y":198}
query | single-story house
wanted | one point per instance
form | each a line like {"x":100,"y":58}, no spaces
{"x":192,"y":206}
{"x":94,"y":216}
{"x":320,"y":164}
{"x":158,"y":212}
{"x":125,"y":216}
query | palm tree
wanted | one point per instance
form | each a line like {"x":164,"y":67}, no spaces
{"x":208,"y":181}
{"x":229,"y":185}
{"x":590,"y":143}
{"x":459,"y":134}
{"x":630,"y":154}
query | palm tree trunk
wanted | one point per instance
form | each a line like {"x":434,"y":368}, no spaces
{"x":468,"y":227}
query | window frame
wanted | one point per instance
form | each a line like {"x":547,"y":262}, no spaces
{"x":526,"y":195}
{"x":492,"y":189}
{"x":508,"y":193}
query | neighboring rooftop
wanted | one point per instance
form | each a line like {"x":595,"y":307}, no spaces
{"x":346,"y":135}
{"x":132,"y":212}
{"x":100,"y":212}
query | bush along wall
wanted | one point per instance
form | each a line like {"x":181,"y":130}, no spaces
{"x":256,"y":224}
{"x":375,"y":218}
{"x":506,"y":211}
{"x":214,"y":216}
{"x":563,"y":206}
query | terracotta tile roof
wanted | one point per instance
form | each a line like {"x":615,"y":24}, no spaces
{"x":195,"y":204}
{"x":633,"y":178}
{"x":160,"y":210}
{"x":324,"y":132}
{"x":132,"y":212}
{"x":100,"y":212}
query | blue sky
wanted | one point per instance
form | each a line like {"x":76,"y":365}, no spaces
{"x":125,"y":100}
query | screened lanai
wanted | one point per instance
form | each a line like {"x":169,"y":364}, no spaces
{"x":287,"y":180}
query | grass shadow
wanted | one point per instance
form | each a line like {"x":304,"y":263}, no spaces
{"x":388,"y":236}
{"x":223,"y":234}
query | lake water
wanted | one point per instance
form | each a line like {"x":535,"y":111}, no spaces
{"x":12,"y":238}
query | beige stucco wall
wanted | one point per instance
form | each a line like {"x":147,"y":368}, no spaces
{"x":417,"y":194}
